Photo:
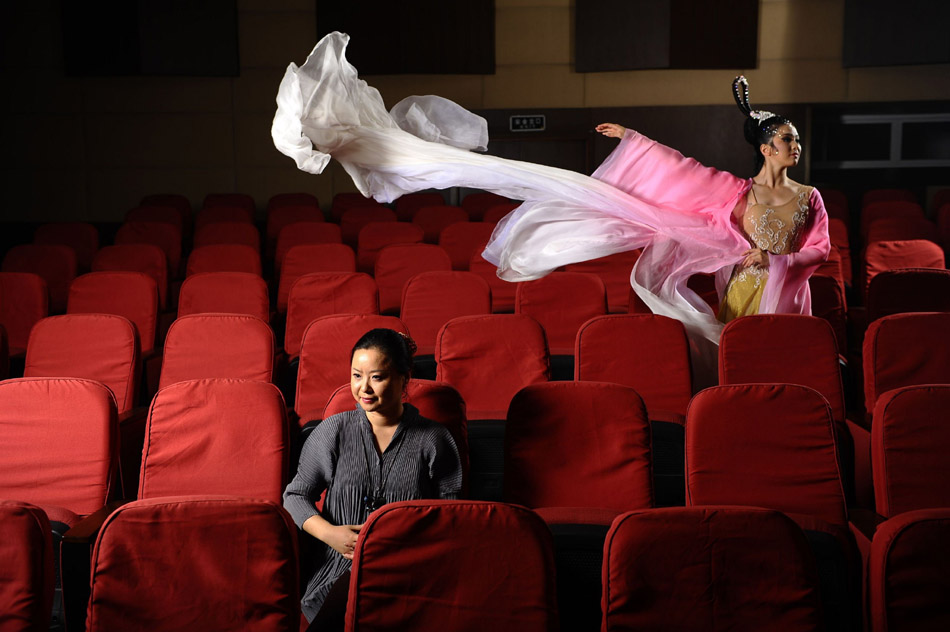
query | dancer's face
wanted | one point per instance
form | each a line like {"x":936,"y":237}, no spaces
{"x":785,"y":148}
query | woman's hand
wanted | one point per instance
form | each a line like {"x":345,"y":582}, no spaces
{"x":755,"y":258}
{"x":611,"y":130}
{"x":342,"y":539}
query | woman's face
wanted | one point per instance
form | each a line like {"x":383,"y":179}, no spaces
{"x":785,"y":148}
{"x":376,"y":387}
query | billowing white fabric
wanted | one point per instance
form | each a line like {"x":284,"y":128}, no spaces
{"x":644,"y":196}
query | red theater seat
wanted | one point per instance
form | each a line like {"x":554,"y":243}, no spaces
{"x":179,"y":202}
{"x":398,"y":263}
{"x":281,"y":215}
{"x":325,"y":293}
{"x":223,"y":213}
{"x":23,"y":301}
{"x":216,"y":436}
{"x":889,"y":255}
{"x":502,"y":292}
{"x":345,"y":201}
{"x":224,"y":258}
{"x":709,"y":568}
{"x":58,"y":445}
{"x":578,"y":444}
{"x":432,"y":219}
{"x":308,"y":258}
{"x":239,"y":200}
{"x":218,"y":345}
{"x":100,"y":347}
{"x":325,"y":357}
{"x":902,"y":228}
{"x":303,"y":233}
{"x":909,"y":573}
{"x":477,"y":203}
{"x":562,"y":302}
{"x":56,"y":264}
{"x":162,"y":234}
{"x":133,"y":295}
{"x":489,"y":358}
{"x":494,"y":214}
{"x":828,"y":302}
{"x":27,"y":574}
{"x":375,"y":236}
{"x":155,"y":213}
{"x":431,"y":299}
{"x":228,"y":233}
{"x":646,"y":352}
{"x":145,"y":258}
{"x":408,"y":204}
{"x":354,"y":219}
{"x":462,"y":566}
{"x":82,"y":237}
{"x":908,"y":290}
{"x":464,"y":239}
{"x":798,"y":350}
{"x":208,"y":563}
{"x":765,"y":445}
{"x":614,"y":270}
{"x":905,"y":350}
{"x":226,"y":293}
{"x":910,"y":441}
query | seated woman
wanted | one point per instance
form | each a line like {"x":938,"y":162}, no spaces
{"x":380,"y":452}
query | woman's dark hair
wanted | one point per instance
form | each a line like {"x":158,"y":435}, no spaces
{"x":759,"y":126}
{"x":397,"y":347}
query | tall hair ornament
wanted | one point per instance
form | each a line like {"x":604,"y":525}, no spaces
{"x":740,"y":90}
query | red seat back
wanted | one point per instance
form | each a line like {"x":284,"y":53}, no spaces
{"x":302,"y":233}
{"x":224,"y":258}
{"x":325,"y":357}
{"x":345,"y":201}
{"x":216,"y":436}
{"x":908,"y":290}
{"x":562,"y":302}
{"x":614,"y":270}
{"x":218,"y":345}
{"x":432,"y":219}
{"x":477,"y":203}
{"x":354,"y":219}
{"x":82,"y":237}
{"x":144,"y":258}
{"x":505,"y":583}
{"x":578,"y":444}
{"x":801,"y":350}
{"x":325,"y":293}
{"x":375,"y":236}
{"x":902,"y":228}
{"x":461,"y":240}
{"x":56,"y":264}
{"x":828,"y":302}
{"x":889,"y":255}
{"x":904,"y":350}
{"x":281,"y":215}
{"x":708,"y":568}
{"x":23,"y":301}
{"x":223,"y":212}
{"x":133,"y":295}
{"x":162,"y":234}
{"x":494,"y":214}
{"x":909,"y":446}
{"x":226,"y":293}
{"x":502,"y":292}
{"x":909,"y":573}
{"x":155,"y":213}
{"x":764,"y":445}
{"x":177,"y":201}
{"x":431,"y":299}
{"x":398,"y":263}
{"x":60,"y":444}
{"x":408,"y":204}
{"x":308,"y":258}
{"x":646,"y":352}
{"x":228,"y":233}
{"x":488,"y":358}
{"x":26,"y":592}
{"x":101,"y":347}
{"x":212,"y":563}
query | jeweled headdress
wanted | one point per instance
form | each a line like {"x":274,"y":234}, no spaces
{"x":740,"y":90}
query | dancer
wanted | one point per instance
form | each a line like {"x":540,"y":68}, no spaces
{"x":687,"y":219}
{"x":380,"y":452}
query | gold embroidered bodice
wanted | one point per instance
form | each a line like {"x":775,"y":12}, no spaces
{"x":777,"y":229}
